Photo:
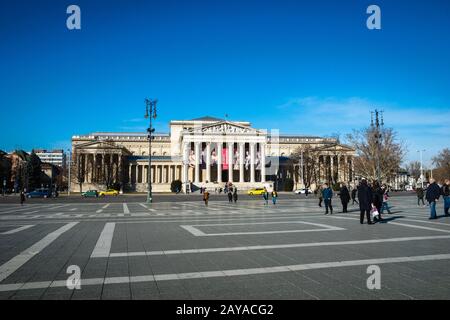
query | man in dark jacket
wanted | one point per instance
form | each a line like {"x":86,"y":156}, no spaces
{"x":327,"y":195}
{"x":345,"y":197}
{"x":446,"y":196}
{"x":365,"y":201}
{"x":433,"y":194}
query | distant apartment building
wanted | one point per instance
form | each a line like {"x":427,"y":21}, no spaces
{"x":55,"y":157}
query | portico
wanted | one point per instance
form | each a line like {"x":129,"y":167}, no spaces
{"x":223,"y":152}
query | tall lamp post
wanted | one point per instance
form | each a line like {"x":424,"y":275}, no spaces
{"x":379,"y":122}
{"x":68,"y":181}
{"x":421,"y":166}
{"x":150,"y":113}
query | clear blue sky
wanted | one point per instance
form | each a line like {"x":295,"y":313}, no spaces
{"x":306,"y":67}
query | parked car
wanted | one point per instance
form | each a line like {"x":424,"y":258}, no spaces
{"x":39,"y":193}
{"x":255,"y":191}
{"x":90,"y":193}
{"x":303,"y":191}
{"x":109,"y":192}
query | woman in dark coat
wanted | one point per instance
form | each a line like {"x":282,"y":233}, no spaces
{"x":378,"y":197}
{"x":344,"y":194}
{"x":365,"y":201}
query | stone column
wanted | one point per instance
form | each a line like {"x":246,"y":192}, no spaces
{"x":338,"y":167}
{"x":130,"y":171}
{"x":332,"y":168}
{"x":263,"y":162}
{"x":230,"y":147}
{"x":346,"y":169}
{"x":219,"y":162}
{"x":241,"y":161}
{"x":197,"y":162}
{"x":208,"y":161}
{"x":252,"y":162}
{"x":86,"y":168}
{"x":137,"y":173}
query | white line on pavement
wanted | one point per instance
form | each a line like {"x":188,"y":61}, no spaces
{"x":277,"y":246}
{"x":144,"y":206}
{"x":104,"y":207}
{"x":125,"y":209}
{"x":18,"y":229}
{"x":224,"y":273}
{"x":15,"y":263}
{"x":198,"y":233}
{"x":103,"y":246}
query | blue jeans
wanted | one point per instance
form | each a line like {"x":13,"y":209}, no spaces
{"x":433,"y":209}
{"x":274,"y":200}
{"x":446,"y":204}
{"x":385,"y":206}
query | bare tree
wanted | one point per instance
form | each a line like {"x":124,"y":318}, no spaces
{"x":390,"y":153}
{"x":310,"y":157}
{"x":413,"y":169}
{"x":442,"y":163}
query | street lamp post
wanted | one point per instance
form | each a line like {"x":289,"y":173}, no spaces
{"x":421,"y":166}
{"x":68,"y":181}
{"x":150,"y":113}
{"x":379,"y":122}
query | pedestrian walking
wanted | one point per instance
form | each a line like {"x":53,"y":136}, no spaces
{"x":266,"y":196}
{"x":432,"y":195}
{"x":235,"y":195}
{"x":319,"y":194}
{"x":274,"y":197}
{"x":420,"y":195}
{"x":230,"y":195}
{"x":206,"y":197}
{"x":354,"y":191}
{"x":327,"y":194}
{"x":306,"y":192}
{"x":385,"y":204}
{"x":377,"y":200}
{"x":446,"y":195}
{"x":22,"y":197}
{"x":344,"y":194}
{"x":365,"y":201}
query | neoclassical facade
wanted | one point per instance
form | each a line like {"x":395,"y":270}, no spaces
{"x":206,"y":152}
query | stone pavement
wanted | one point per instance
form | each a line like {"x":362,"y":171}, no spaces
{"x":184,"y":250}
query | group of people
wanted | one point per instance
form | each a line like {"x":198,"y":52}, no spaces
{"x":266,"y":195}
{"x":372,"y":198}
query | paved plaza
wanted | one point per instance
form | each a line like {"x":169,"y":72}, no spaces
{"x":184,"y":250}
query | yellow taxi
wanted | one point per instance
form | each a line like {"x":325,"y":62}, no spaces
{"x":109,"y":192}
{"x":256,"y":192}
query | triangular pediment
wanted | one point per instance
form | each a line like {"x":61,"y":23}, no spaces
{"x":336,"y":147}
{"x":100,"y":145}
{"x":223,"y":127}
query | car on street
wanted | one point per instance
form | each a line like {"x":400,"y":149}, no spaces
{"x":303,"y":191}
{"x":109,"y":192}
{"x":39,"y":193}
{"x":255,"y":191}
{"x":90,"y":193}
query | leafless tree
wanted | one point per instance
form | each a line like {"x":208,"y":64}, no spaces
{"x":391,"y":153}
{"x":413,"y":169}
{"x":442,"y":163}
{"x":310,"y":158}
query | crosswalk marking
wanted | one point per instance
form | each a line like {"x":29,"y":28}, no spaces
{"x":125,"y":209}
{"x":17,"y":229}
{"x":103,"y":246}
{"x":15,"y":263}
{"x":104,"y":207}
